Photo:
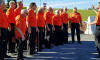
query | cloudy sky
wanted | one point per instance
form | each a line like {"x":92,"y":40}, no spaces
{"x":80,"y":4}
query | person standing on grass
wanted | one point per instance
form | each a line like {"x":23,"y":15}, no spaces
{"x":32,"y":27}
{"x":20,"y":32}
{"x":76,"y":22}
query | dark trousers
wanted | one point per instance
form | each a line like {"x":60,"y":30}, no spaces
{"x":65,"y":33}
{"x":49,"y":33}
{"x":20,"y":48}
{"x":11,"y":35}
{"x":75,"y":26}
{"x":58,"y":35}
{"x":3,"y":43}
{"x":41,"y":37}
{"x":97,"y":38}
{"x":32,"y":40}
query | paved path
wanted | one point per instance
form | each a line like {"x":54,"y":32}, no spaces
{"x":84,"y":51}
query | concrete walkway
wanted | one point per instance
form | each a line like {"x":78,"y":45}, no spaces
{"x":84,"y":51}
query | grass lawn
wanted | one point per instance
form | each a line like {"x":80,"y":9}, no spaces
{"x":84,"y":13}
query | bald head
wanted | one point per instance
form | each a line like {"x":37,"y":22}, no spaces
{"x":24,"y":12}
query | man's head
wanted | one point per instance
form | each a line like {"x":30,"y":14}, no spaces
{"x":64,"y":9}
{"x":40,"y":10}
{"x":50,"y":9}
{"x":19,"y":4}
{"x":74,"y":9}
{"x":43,"y":7}
{"x":61,"y":11}
{"x":2,"y":5}
{"x":24,"y":12}
{"x":33,"y":6}
{"x":12,"y":4}
{"x":56,"y":12}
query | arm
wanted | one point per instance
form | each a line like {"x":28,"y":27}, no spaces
{"x":19,"y":31}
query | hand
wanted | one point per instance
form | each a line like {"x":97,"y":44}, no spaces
{"x":37,"y":30}
{"x":9,"y":28}
{"x":23,"y":38}
{"x":48,"y":29}
{"x":93,"y":7}
{"x":29,"y":30}
{"x":53,"y":29}
{"x":62,"y":28}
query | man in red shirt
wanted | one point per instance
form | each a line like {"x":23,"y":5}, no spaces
{"x":40,"y":24}
{"x":20,"y":32}
{"x":65,"y":25}
{"x":76,"y":21}
{"x":11,"y":17}
{"x":19,"y":7}
{"x":57,"y":27}
{"x":4,"y":26}
{"x":49,"y":22}
{"x":32,"y":26}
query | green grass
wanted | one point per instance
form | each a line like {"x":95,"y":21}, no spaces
{"x":84,"y":13}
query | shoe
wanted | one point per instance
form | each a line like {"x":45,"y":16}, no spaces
{"x":20,"y":59}
{"x":6,"y":56}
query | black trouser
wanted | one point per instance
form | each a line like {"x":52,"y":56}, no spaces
{"x":97,"y":38}
{"x":32,"y":40}
{"x":49,"y":33}
{"x":26,"y":38}
{"x":65,"y":33}
{"x":3,"y":43}
{"x":75,"y":26}
{"x":58,"y":35}
{"x":20,"y":48}
{"x":11,"y":35}
{"x":41,"y":37}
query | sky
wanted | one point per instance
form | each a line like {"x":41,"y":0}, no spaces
{"x":80,"y":4}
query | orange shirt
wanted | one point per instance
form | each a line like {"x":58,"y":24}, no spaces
{"x":75,"y":17}
{"x":65,"y":18}
{"x":57,"y":20}
{"x":4,"y":23}
{"x":11,"y":15}
{"x":48,"y":18}
{"x":98,"y":18}
{"x":40,"y":20}
{"x":17,"y":11}
{"x":21,"y":24}
{"x":31,"y":18}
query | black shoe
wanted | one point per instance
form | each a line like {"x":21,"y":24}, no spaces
{"x":6,"y":56}
{"x":79,"y":42}
{"x":20,"y":59}
{"x":73,"y":42}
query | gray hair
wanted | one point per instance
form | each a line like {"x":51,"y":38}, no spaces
{"x":11,"y":2}
{"x":23,"y":11}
